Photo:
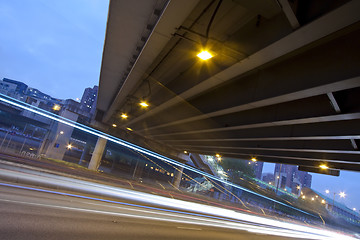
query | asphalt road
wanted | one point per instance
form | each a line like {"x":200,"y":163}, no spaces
{"x":28,"y":214}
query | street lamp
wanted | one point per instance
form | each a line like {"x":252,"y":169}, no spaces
{"x":323,"y":166}
{"x":56,"y":107}
{"x":341,"y":194}
{"x":124,"y":116}
{"x":204,"y":55}
{"x":143,"y":104}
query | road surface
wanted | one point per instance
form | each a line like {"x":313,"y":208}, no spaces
{"x":42,"y":205}
{"x":27,"y":214}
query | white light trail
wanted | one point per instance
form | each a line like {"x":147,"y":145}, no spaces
{"x":197,"y":213}
{"x":121,"y":142}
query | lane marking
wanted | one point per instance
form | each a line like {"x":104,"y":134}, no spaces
{"x":131,"y":185}
{"x":189,"y":228}
{"x":161,"y":185}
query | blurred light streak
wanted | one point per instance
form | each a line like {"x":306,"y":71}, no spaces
{"x":121,"y":142}
{"x":231,"y":218}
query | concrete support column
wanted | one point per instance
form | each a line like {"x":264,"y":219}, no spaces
{"x":177,"y":176}
{"x":138,"y":170}
{"x":97,"y":154}
{"x":85,"y":152}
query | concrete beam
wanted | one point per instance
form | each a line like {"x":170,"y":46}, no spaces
{"x":172,"y":17}
{"x":254,"y":149}
{"x":320,"y":28}
{"x":289,"y":13}
{"x":321,"y":119}
{"x":353,"y":143}
{"x":300,"y":161}
{"x":290,"y":138}
{"x":320,"y":129}
{"x":318,"y":145}
{"x":348,"y":156}
{"x":334,"y":102}
{"x":125,"y":25}
{"x":305,"y":93}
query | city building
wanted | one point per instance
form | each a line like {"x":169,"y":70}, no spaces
{"x":268,"y":177}
{"x":7,"y":88}
{"x":19,"y":90}
{"x":33,"y":92}
{"x":20,"y":86}
{"x":289,"y":178}
{"x":305,"y":178}
{"x":258,"y":168}
{"x":72,"y":106}
{"x":88,"y":100}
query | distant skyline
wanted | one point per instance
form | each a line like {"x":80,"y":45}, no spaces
{"x":347,"y":182}
{"x":54,"y":46}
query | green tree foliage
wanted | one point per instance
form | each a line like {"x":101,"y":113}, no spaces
{"x":241,"y":167}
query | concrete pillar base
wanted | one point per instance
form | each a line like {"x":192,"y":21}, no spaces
{"x":177,"y":176}
{"x":97,"y":154}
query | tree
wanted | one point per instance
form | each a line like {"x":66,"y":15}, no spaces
{"x":237,"y":168}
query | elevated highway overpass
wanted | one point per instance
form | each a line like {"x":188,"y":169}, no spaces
{"x":283,"y":84}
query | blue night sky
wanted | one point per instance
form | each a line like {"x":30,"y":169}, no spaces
{"x":56,"y":47}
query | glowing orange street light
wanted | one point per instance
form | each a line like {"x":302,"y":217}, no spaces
{"x":143,"y":104}
{"x":204,"y":55}
{"x":56,"y":107}
{"x":323,"y":166}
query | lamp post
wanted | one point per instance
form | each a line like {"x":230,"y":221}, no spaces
{"x":341,"y":194}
